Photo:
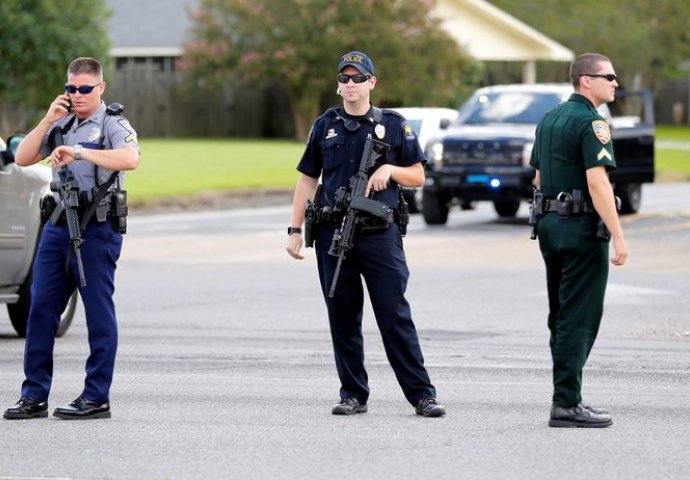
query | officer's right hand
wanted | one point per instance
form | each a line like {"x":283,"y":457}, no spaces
{"x":620,"y":251}
{"x":59,"y":108}
{"x":294,"y":244}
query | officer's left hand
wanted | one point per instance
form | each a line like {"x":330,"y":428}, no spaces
{"x":379,"y":179}
{"x":61,"y":156}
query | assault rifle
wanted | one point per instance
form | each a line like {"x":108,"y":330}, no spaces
{"x":354,"y":203}
{"x":68,"y":189}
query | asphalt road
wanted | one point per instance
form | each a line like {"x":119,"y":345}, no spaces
{"x":225,"y":367}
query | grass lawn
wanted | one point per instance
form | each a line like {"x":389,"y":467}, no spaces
{"x":675,"y":133}
{"x":185,"y":167}
{"x":672,"y":164}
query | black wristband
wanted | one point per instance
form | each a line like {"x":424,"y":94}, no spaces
{"x":292,"y":230}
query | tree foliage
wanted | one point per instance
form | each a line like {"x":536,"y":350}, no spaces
{"x":240,"y":43}
{"x":646,"y":40}
{"x":38,"y":39}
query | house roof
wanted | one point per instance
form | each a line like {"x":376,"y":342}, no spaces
{"x":161,"y":27}
{"x":488,"y":33}
{"x":151,"y":28}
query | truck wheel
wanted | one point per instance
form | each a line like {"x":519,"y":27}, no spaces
{"x":434,"y":208}
{"x":19,"y":312}
{"x":631,"y":197}
{"x":507,"y":208}
{"x":409,"y":195}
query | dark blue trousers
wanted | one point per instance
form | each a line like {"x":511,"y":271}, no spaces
{"x":55,"y":276}
{"x":379,"y":259}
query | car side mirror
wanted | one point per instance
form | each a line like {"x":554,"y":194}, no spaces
{"x":443,"y":124}
{"x":12,"y":146}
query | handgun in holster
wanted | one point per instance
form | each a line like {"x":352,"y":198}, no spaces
{"x":311,"y":218}
{"x":536,"y":211}
{"x":603,"y":232}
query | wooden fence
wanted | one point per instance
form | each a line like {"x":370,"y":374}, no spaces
{"x":159,"y":102}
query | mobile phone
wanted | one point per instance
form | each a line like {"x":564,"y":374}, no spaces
{"x":69,"y":104}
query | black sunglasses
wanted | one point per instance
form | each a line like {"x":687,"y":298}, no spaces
{"x":84,"y":89}
{"x":608,"y":76}
{"x":358,"y":78}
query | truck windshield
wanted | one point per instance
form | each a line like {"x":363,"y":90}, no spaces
{"x":507,"y":107}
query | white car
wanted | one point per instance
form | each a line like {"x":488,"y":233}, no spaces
{"x":427,"y":122}
{"x":21,"y":189}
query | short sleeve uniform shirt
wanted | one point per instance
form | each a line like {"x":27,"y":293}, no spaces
{"x":113,"y":131}
{"x":570,"y":139}
{"x":334,"y":151}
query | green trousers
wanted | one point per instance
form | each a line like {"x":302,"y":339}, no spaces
{"x":577,"y":269}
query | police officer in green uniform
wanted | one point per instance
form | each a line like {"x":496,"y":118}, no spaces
{"x":572,"y":155}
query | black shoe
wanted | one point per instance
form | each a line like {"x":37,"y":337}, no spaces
{"x":578,"y":416}
{"x":349,"y":406}
{"x":82,"y":409}
{"x":598,"y":411}
{"x":429,"y":407}
{"x":27,"y":408}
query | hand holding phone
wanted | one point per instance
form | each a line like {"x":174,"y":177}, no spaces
{"x":68,"y":107}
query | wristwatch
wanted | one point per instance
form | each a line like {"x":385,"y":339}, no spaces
{"x":292,"y":230}
{"x":77,"y":152}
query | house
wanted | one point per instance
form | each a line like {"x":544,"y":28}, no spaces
{"x":488,"y":33}
{"x":147,"y":37}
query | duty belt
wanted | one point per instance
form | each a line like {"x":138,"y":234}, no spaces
{"x":551,"y":205}
{"x":568,"y":204}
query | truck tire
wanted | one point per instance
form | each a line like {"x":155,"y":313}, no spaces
{"x":631,"y":197}
{"x":19,"y":312}
{"x":434,"y":208}
{"x":507,"y":208}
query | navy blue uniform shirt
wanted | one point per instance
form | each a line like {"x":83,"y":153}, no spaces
{"x":334,"y":152}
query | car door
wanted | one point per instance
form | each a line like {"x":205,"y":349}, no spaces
{"x":14,"y":212}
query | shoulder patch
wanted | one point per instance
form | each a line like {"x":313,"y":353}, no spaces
{"x":409,"y":131}
{"x":601,"y":131}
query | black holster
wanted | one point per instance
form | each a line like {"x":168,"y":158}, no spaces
{"x":401,"y":214}
{"x":312,"y":218}
{"x":603,"y":232}
{"x":536,"y":212}
{"x":47,"y":205}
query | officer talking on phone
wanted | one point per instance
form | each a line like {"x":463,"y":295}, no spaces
{"x":89,"y":147}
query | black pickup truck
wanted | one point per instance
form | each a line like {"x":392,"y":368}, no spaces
{"x":484,"y":155}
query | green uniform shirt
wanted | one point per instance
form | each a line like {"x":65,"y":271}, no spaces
{"x":571,"y":139}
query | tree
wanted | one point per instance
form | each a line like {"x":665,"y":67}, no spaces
{"x":646,"y":39}
{"x":38,"y":39}
{"x":249,"y":43}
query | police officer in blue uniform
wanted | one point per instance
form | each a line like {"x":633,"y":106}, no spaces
{"x":572,"y":155}
{"x":94,"y":146}
{"x":334,"y":150}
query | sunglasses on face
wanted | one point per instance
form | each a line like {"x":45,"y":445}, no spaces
{"x":84,"y":89}
{"x":608,"y":76}
{"x":358,"y":78}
